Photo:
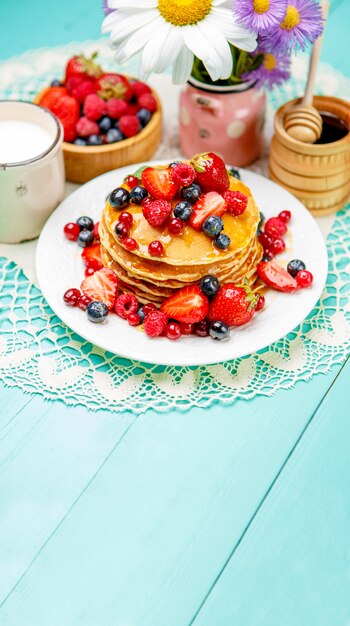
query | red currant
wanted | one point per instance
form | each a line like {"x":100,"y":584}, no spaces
{"x":274,"y":227}
{"x":89,"y":271}
{"x":268,"y":255}
{"x":285,"y":216}
{"x":147,"y":308}
{"x":304,"y":278}
{"x":132,"y":181}
{"x":175,"y":226}
{"x":95,"y":232}
{"x":121,"y":230}
{"x":156,"y":248}
{"x":83,"y":302}
{"x":265,"y":240}
{"x":173,"y":331}
{"x":201,"y":329}
{"x":261,"y":302}
{"x":277,"y":246}
{"x":186,"y":329}
{"x":134,"y":319}
{"x":126,"y":218}
{"x":71,"y":297}
{"x":131,"y":244}
{"x":71,"y":231}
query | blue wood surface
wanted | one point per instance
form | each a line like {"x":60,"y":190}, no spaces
{"x":234,"y":515}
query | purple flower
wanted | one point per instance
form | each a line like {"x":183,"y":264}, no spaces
{"x":275,"y":69}
{"x":302,"y":24}
{"x":259,"y":16}
{"x":106,"y":8}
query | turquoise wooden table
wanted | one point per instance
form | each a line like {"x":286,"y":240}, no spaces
{"x":233,"y":515}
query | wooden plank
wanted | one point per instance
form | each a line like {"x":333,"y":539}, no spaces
{"x":148,"y":536}
{"x":292,"y":566}
{"x":48,"y":455}
{"x":12,"y":402}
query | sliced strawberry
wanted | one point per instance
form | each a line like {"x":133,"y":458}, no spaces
{"x":101,"y":286}
{"x":159,"y":183}
{"x":275,"y":276}
{"x":92,"y":257}
{"x":156,"y":212}
{"x":208,"y":204}
{"x":187,"y":305}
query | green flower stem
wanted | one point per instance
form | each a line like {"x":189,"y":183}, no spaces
{"x":243,"y":62}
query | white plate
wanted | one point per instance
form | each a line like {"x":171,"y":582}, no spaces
{"x":59,"y":267}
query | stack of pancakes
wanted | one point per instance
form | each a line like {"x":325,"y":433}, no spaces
{"x":188,"y":257}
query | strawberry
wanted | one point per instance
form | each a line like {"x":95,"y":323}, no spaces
{"x":92,"y":257}
{"x":208,"y":204}
{"x":156,"y":212}
{"x":82,"y":66}
{"x":159,"y":183}
{"x":211,"y":173}
{"x":79,"y":87}
{"x":233,"y":304}
{"x":116,"y":107}
{"x":94,"y":107}
{"x":183,"y":174}
{"x":237,"y":202}
{"x":101,"y":286}
{"x":275,"y":276}
{"x":148,"y":101}
{"x":65,"y":107}
{"x":111,"y":85}
{"x":140,"y":88}
{"x":188,"y":305}
{"x":155,"y":323}
{"x":86,"y":127}
{"x":129,"y":125}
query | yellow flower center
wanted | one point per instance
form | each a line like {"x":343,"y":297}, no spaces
{"x":270,"y":61}
{"x":261,"y":6}
{"x":184,"y":12}
{"x":292,"y":18}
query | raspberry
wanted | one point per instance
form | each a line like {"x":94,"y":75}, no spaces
{"x":125,"y":304}
{"x":132,"y":109}
{"x":116,"y":108}
{"x":94,"y":107}
{"x":183,"y":174}
{"x":155,"y":323}
{"x":236,"y":202}
{"x":129,"y":125}
{"x":86,"y":127}
{"x":80,"y":87}
{"x":156,"y":212}
{"x":275,"y":228}
{"x":148,"y":101}
{"x":140,"y":88}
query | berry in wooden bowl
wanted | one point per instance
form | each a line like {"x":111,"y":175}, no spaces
{"x":109,"y":119}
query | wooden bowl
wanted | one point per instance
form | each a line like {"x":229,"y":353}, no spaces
{"x":82,"y":163}
{"x":317,"y":174}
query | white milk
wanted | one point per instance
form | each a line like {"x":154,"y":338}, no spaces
{"x":21,"y":141}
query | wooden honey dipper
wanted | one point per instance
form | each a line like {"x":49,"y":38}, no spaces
{"x":303,"y":122}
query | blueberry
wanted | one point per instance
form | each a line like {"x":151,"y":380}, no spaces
{"x":213,"y":225}
{"x":94,"y":140}
{"x":232,"y":171}
{"x":105,"y":124}
{"x":218,"y":330}
{"x":209,"y":285}
{"x":85,"y":223}
{"x":183,"y":210}
{"x":295,"y":266}
{"x":79,"y":141}
{"x":56,"y":83}
{"x":222,"y":241}
{"x":119,"y":198}
{"x":85,"y":238}
{"x":114,"y":135}
{"x":173,"y":163}
{"x":141,"y":314}
{"x":137,"y":194}
{"x":144,"y":116}
{"x":191,"y":193}
{"x":97,"y":311}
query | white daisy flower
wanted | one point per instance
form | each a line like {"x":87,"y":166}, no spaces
{"x":171,"y":32}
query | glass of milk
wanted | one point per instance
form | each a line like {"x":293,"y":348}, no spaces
{"x":31,"y":169}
